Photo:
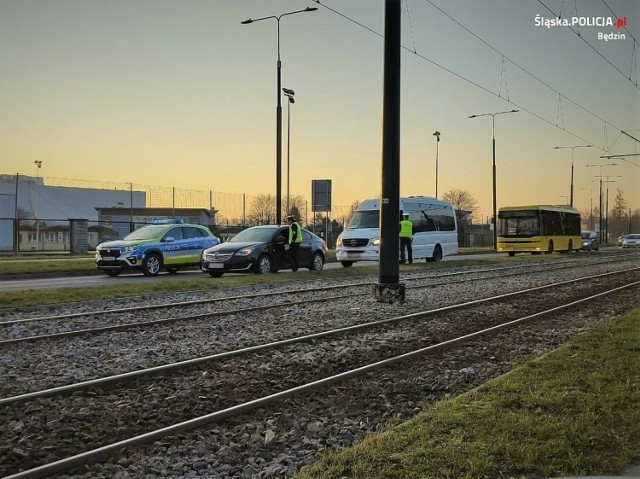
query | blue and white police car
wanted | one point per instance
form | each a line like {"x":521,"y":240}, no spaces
{"x":168,"y":246}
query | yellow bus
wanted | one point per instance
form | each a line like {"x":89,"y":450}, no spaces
{"x":538,"y":229}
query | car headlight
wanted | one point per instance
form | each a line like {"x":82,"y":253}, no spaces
{"x":375,"y":241}
{"x":339,"y":240}
{"x":244,"y":252}
{"x":129,"y":248}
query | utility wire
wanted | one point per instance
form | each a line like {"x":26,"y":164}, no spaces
{"x":520,"y":67}
{"x":593,"y":48}
{"x":471,"y":81}
{"x":635,"y":42}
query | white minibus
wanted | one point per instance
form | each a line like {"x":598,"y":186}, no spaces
{"x":434,"y":224}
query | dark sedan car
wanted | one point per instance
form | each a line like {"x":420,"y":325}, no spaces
{"x":262,"y":250}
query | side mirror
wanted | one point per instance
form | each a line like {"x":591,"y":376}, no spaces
{"x":280,"y":241}
{"x":169,"y":239}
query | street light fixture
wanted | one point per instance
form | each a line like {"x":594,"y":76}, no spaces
{"x":572,"y":148}
{"x":38,"y":164}
{"x":493,"y":134}
{"x":289,"y":94}
{"x":437,"y":135}
{"x":278,"y":110}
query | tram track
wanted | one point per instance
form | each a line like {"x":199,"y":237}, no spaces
{"x":15,"y":330}
{"x":87,"y":358}
{"x":203,"y":392}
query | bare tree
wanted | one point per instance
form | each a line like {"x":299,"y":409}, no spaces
{"x":262,"y":210}
{"x":463,"y":203}
{"x":618,"y":216}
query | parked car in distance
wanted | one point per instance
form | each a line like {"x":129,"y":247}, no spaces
{"x":261,"y":250}
{"x":589,"y":241}
{"x":620,"y":238}
{"x":631,"y":241}
{"x":151,"y":248}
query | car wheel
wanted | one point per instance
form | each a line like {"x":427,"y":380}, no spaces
{"x":437,"y":255}
{"x":172,"y":269}
{"x":317,"y":262}
{"x":263,"y":265}
{"x":215,"y":274}
{"x":346,"y":264}
{"x":512,"y":253}
{"x":550,"y":248}
{"x":151,"y":265}
{"x":112,"y":272}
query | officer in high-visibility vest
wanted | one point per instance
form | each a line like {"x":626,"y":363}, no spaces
{"x":406,"y":236}
{"x":295,"y":238}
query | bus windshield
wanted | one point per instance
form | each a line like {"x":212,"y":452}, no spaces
{"x":365,"y":219}
{"x":520,"y":223}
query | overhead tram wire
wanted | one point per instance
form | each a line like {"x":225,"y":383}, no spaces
{"x":468,"y":80}
{"x":593,"y":48}
{"x":519,"y":66}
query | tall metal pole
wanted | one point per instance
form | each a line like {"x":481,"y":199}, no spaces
{"x":16,"y":221}
{"x":600,"y":221}
{"x":437,"y":135}
{"x":571,"y":200}
{"x":289,"y":94}
{"x":279,"y":110}
{"x":388,"y":289}
{"x":131,"y":228}
{"x":600,"y":233}
{"x":288,"y":151}
{"x":495,"y":201}
{"x":279,"y":137}
{"x":572,"y":168}
{"x":38,"y":164}
{"x":493,"y":142}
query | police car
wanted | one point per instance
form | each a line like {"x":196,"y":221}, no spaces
{"x":155,"y":247}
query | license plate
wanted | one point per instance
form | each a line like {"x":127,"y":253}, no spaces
{"x":108,"y":258}
{"x":216,"y":265}
{"x":355,"y":255}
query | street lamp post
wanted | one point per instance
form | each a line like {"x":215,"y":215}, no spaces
{"x":572,"y":148}
{"x":600,"y":224}
{"x":278,"y":110}
{"x":437,"y":135}
{"x":493,"y":135}
{"x":38,"y":164}
{"x":606,"y":208}
{"x":289,"y":94}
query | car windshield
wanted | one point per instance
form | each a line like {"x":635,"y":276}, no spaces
{"x":145,"y":233}
{"x":633,"y":237}
{"x":254,"y":235}
{"x":365,"y":219}
{"x":586,"y":235}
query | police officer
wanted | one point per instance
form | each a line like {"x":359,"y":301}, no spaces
{"x":406,"y":236}
{"x":295,"y":238}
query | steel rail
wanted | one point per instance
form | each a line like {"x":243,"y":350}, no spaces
{"x":119,"y":327}
{"x":276,"y":344}
{"x":273,"y":293}
{"x":101,"y":452}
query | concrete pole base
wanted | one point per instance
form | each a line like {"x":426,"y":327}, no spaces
{"x":388,"y":293}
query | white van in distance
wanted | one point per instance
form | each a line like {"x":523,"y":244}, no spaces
{"x":434,"y":224}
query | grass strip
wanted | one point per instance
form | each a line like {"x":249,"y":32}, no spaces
{"x":574,"y":412}
{"x":40,"y":297}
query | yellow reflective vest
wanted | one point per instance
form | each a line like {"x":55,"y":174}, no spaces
{"x":298,"y":238}
{"x":406,"y":229}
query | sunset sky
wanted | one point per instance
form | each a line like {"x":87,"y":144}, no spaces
{"x":180,"y":93}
